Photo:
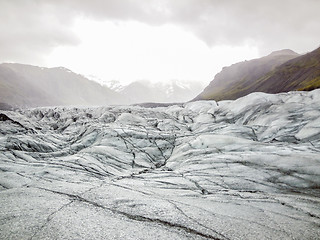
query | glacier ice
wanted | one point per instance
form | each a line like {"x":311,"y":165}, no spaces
{"x":243,"y":169}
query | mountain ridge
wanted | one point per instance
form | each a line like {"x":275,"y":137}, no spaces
{"x":301,"y":73}
{"x":31,"y":86}
{"x":228,"y":83}
{"x":23,"y":85}
{"x":280,"y":71}
{"x":144,"y":91}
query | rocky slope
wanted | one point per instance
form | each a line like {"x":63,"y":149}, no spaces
{"x":242,"y":78}
{"x":244,"y":169}
{"x":30,"y":86}
{"x":301,"y":73}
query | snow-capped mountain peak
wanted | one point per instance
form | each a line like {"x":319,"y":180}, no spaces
{"x":147,"y":91}
{"x":114,"y":85}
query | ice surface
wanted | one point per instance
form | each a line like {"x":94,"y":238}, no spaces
{"x":243,"y":169}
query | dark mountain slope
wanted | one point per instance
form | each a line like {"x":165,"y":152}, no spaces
{"x":301,"y":73}
{"x":235,"y":81}
{"x":25,"y":85}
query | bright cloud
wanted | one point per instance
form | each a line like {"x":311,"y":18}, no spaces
{"x":131,"y":50}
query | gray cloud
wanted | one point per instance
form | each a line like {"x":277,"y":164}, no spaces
{"x":31,"y":29}
{"x":35,"y":27}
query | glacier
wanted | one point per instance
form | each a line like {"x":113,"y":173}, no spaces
{"x":242,"y":169}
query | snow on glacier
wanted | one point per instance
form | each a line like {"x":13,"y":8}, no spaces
{"x":243,"y":169}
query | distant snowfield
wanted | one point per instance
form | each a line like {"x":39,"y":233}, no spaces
{"x":243,"y":169}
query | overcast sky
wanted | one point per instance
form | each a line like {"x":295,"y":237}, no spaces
{"x":157,"y":40}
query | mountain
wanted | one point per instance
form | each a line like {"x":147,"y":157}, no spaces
{"x":114,"y":85}
{"x":239,"y":79}
{"x":301,"y":73}
{"x":30,"y":86}
{"x":161,"y":92}
{"x":243,"y":169}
